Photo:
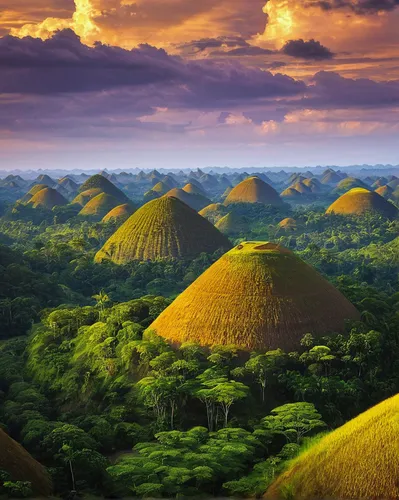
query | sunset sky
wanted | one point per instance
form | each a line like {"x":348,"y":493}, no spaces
{"x":185,"y":83}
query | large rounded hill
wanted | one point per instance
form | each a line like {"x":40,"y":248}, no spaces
{"x":165,"y":228}
{"x":360,"y":460}
{"x":253,"y":190}
{"x":47,"y":198}
{"x":359,"y":201}
{"x":21,"y":466}
{"x":257,"y":296}
{"x":100,"y":183}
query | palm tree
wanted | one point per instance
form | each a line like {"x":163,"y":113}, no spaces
{"x":101,"y":299}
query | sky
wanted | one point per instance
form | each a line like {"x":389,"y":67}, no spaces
{"x":184,"y":83}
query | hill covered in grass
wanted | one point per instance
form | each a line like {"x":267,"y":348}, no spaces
{"x":359,"y":460}
{"x":103,"y":185}
{"x":257,"y":296}
{"x":47,"y":198}
{"x":253,"y":190}
{"x":359,"y":201}
{"x":165,"y":228}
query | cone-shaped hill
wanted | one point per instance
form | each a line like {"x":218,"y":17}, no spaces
{"x":359,"y":460}
{"x":47,"y":198}
{"x":21,"y":466}
{"x":253,"y":190}
{"x":195,"y":201}
{"x":330,"y":177}
{"x":288,"y":224}
{"x":165,"y":228}
{"x":192,"y":188}
{"x":291,"y":193}
{"x":358,"y":201}
{"x":85,"y":196}
{"x":384,"y":191}
{"x":314,"y":184}
{"x":257,"y":296}
{"x":45,"y":179}
{"x":99,"y":206}
{"x":105,"y":186}
{"x":68,"y":184}
{"x":348,"y":184}
{"x":32,"y":191}
{"x":121,"y":212}
{"x":213,"y":212}
{"x":232,"y":223}
{"x":301,"y":187}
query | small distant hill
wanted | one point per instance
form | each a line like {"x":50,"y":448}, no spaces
{"x":291,"y":193}
{"x":254,"y":190}
{"x":195,"y":201}
{"x":330,"y":177}
{"x":99,"y":206}
{"x":232,"y":224}
{"x":359,"y":201}
{"x":384,"y":191}
{"x":301,"y":187}
{"x":257,"y":296}
{"x":47,"y":198}
{"x":213,"y":212}
{"x":45,"y":179}
{"x":192,"y":188}
{"x":104,"y":185}
{"x":21,"y":466}
{"x":288,"y":224}
{"x":165,"y":228}
{"x":348,"y":184}
{"x":32,"y":191}
{"x":359,"y":460}
{"x":85,"y":196}
{"x":120,"y":212}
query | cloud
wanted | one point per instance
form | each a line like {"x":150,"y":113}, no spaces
{"x":331,"y":90}
{"x":359,"y":6}
{"x":311,"y":49}
{"x":213,"y":43}
{"x":249,"y":50}
{"x":63,"y":64}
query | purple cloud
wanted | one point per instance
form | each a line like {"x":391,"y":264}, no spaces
{"x":331,"y":90}
{"x":63,"y":64}
{"x":360,"y":6}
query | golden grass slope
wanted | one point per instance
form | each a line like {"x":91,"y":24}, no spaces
{"x":359,"y":201}
{"x":253,"y":190}
{"x":85,"y":196}
{"x":105,"y":186}
{"x":193,"y":200}
{"x":257,"y":296}
{"x":165,"y":228}
{"x":291,"y":193}
{"x":21,"y":466}
{"x":99,"y":206}
{"x":47,"y":198}
{"x":32,"y":191}
{"x":360,"y":460}
{"x":233,"y":224}
{"x":289,"y":224}
{"x":119,"y":212}
{"x":213,"y":212}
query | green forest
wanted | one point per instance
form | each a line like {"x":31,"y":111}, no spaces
{"x":112,"y":409}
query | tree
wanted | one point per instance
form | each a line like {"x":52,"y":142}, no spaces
{"x":293,"y":420}
{"x":101,"y":299}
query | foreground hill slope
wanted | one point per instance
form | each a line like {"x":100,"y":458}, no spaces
{"x":257,"y":296}
{"x":360,"y":460}
{"x":165,"y":228}
{"x":21,"y":466}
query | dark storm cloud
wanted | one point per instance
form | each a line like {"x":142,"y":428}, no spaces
{"x":64,"y":64}
{"x":330,"y":90}
{"x":311,"y":49}
{"x":250,"y":50}
{"x":213,"y":43}
{"x":360,"y":6}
